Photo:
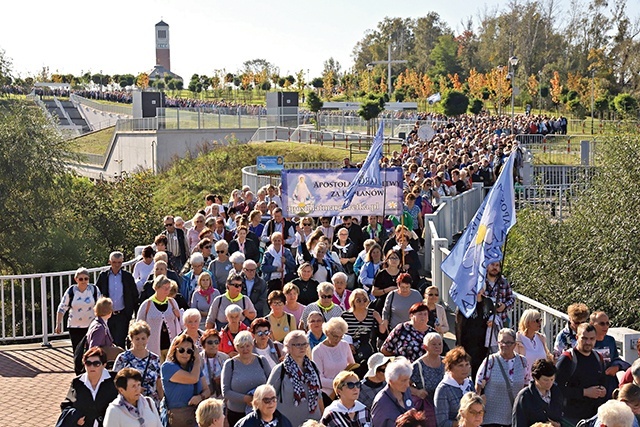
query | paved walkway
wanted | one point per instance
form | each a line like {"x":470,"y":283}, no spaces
{"x":33,"y":382}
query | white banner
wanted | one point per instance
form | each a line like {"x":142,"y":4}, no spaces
{"x":321,"y":192}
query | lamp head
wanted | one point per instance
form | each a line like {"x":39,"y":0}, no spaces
{"x":513,"y":61}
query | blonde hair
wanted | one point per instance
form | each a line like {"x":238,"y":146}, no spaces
{"x":529,"y":315}
{"x":341,"y":378}
{"x":259,"y":394}
{"x":103,"y":306}
{"x":208,"y":411}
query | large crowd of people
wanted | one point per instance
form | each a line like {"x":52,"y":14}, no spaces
{"x":241,"y":317}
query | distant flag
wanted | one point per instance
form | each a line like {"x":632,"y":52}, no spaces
{"x":434,"y":98}
{"x":482,"y":241}
{"x":369,"y":175}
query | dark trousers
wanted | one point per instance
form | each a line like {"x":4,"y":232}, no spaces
{"x":119,"y":327}
{"x":76,"y":335}
{"x":233,"y":417}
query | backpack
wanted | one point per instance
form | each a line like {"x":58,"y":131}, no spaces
{"x":71,"y":293}
{"x":570,"y":354}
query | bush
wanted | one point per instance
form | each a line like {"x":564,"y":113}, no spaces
{"x":455,"y":103}
{"x":475,"y":107}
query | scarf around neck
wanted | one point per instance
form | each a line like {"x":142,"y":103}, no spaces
{"x":300,"y":378}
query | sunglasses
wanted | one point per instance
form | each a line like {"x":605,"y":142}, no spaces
{"x":208,"y":247}
{"x":82,"y":279}
{"x":95,"y":363}
{"x":189,"y":351}
{"x":212,"y":342}
{"x":169,"y":225}
{"x":326,"y":296}
{"x":221,"y":252}
{"x":433,"y":295}
{"x":263,"y":333}
{"x":236,"y":285}
{"x":268,"y":400}
{"x":538,"y":320}
{"x":351,"y":385}
{"x":277,"y":303}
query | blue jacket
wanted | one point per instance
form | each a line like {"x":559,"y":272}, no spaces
{"x":268,"y":269}
{"x":253,"y":420}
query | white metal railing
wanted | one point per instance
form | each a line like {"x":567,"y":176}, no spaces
{"x":30,"y":302}
{"x":107,"y":108}
{"x":562,"y":174}
{"x":137,"y":125}
{"x":207,"y":118}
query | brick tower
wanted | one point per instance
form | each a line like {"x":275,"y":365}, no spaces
{"x":163,"y":53}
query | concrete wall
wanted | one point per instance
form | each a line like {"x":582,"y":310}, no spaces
{"x":99,"y":119}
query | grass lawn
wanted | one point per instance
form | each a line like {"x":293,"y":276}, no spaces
{"x":93,"y":143}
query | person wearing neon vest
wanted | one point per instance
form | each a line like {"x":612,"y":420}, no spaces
{"x":216,"y":317}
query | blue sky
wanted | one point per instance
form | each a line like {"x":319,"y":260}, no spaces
{"x":73,"y":36}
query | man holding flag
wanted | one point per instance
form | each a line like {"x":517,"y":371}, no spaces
{"x":477,"y":255}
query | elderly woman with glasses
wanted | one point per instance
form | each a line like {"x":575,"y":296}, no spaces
{"x":272,"y":351}
{"x":346,"y":410}
{"x":265,"y":412}
{"x":90,"y":393}
{"x":315,"y":320}
{"x":221,"y":266}
{"x":212,"y":361}
{"x":502,"y":375}
{"x":324,"y":305}
{"x":333,"y":354}
{"x":437,"y":313}
{"x":217,"y":312}
{"x":281,"y":322}
{"x":182,"y":381}
{"x":190,"y":279}
{"x":203,"y":297}
{"x":530,"y":343}
{"x":241,"y":375}
{"x":292,"y":306}
{"x":193,"y":234}
{"x":297,"y":381}
{"x":131,"y":407}
{"x":395,"y":398}
{"x":471,"y":412}
{"x":79,"y":300}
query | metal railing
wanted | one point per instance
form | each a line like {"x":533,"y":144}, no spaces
{"x":552,"y":148}
{"x":555,"y":200}
{"x":137,"y":125}
{"x":348,"y":123}
{"x":30,"y":302}
{"x":125,"y":109}
{"x":207,"y":118}
{"x":562,"y":174}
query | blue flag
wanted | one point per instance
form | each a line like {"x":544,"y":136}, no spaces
{"x":482,"y":241}
{"x":369,"y":175}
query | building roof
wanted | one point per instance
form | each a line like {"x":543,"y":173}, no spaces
{"x":159,"y":72}
{"x":162,"y":24}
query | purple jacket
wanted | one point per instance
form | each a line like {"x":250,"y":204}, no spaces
{"x":386,"y":410}
{"x":98,"y":334}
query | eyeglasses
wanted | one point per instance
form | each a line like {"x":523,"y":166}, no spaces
{"x":95,"y":363}
{"x":212,"y":342}
{"x":169,"y":225}
{"x":351,"y":385}
{"x":189,"y":351}
{"x":604,"y":323}
{"x":507,"y":343}
{"x":433,"y":295}
{"x":263,"y":333}
{"x":208,"y":247}
{"x":236,"y":285}
{"x":277,"y":303}
{"x":268,"y":400}
{"x":299,"y":345}
{"x":221,"y":252}
{"x":326,"y":296}
{"x":394,"y":258}
{"x":476,"y":413}
{"x":360,"y":300}
{"x":82,"y":279}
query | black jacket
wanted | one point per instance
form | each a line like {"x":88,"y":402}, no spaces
{"x":258,"y":295}
{"x":253,"y":420}
{"x":251,"y":250}
{"x":80,"y":399}
{"x":129,"y":289}
{"x":184,"y":251}
{"x":529,"y":408}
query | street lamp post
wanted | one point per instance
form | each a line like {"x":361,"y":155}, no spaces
{"x":593,"y":72}
{"x":513,"y":61}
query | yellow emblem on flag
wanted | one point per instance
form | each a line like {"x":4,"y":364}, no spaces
{"x":482,"y":231}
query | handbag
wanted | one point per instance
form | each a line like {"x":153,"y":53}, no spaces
{"x":182,"y":417}
{"x":68,"y":418}
{"x":112,"y":352}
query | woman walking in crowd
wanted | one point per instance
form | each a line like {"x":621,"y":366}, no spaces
{"x":217,"y":312}
{"x":501,"y":376}
{"x":255,"y":224}
{"x":241,"y":375}
{"x":265,"y":412}
{"x":131,"y":406}
{"x":163,"y":316}
{"x":272,"y":351}
{"x":315,"y":334}
{"x":307,"y":285}
{"x":471,"y":412}
{"x":292,"y":306}
{"x":230,"y":331}
{"x":530,"y":343}
{"x":398,"y":302}
{"x":428,"y":370}
{"x":144,"y":267}
{"x":90,"y":393}
{"x":212,"y":361}
{"x":407,"y":338}
{"x":341,"y":294}
{"x":281,"y":322}
{"x":278,"y":264}
{"x":193,"y":234}
{"x":203,"y":296}
{"x":297,"y":381}
{"x":221,"y":266}
{"x":333,"y":354}
{"x":362,"y":323}
{"x":191,"y":321}
{"x":322,"y":264}
{"x":456,"y":382}
{"x":373,"y":380}
{"x":371,"y":266}
{"x":79,"y":300}
{"x":210,"y":413}
{"x":346,"y":410}
{"x":541,"y":400}
{"x":182,"y":382}
{"x":324,"y":305}
{"x":395,"y":398}
{"x":140,"y":358}
{"x":347,"y":252}
{"x":385,"y":280}
{"x":437,"y":314}
{"x":247,"y":247}
{"x":98,"y":334}
{"x":190,"y":279}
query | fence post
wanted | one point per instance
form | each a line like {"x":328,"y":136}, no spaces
{"x":436,"y":259}
{"x":178,"y":118}
{"x":219,"y":120}
{"x":569,"y":145}
{"x":45,"y":317}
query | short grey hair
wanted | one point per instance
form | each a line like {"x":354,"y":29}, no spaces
{"x":295,"y":334}
{"x":326,"y":287}
{"x":237,"y":258}
{"x":507,"y":331}
{"x":339,"y":275}
{"x":232,"y":309}
{"x":191,"y":313}
{"x":430,"y":337}
{"x":115,"y":255}
{"x":635,"y":369}
{"x":260,"y":392}
{"x":615,"y":413}
{"x":399,"y":367}
{"x":243,"y":338}
{"x":196,"y":258}
{"x":80,"y":271}
{"x":249,"y":263}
